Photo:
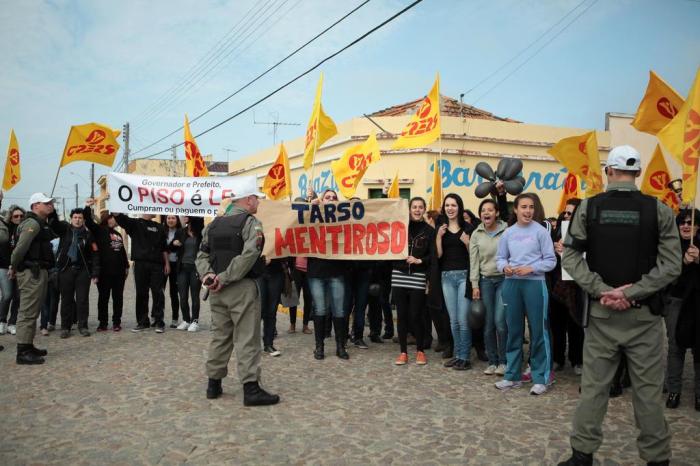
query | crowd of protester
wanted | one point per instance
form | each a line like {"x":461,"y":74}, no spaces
{"x":486,"y":284}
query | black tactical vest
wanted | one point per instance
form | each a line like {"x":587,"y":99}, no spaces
{"x":40,"y":252}
{"x":226,"y":241}
{"x":622,"y":236}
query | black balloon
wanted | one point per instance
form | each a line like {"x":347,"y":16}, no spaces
{"x":477,"y":314}
{"x":513,"y":167}
{"x":483,"y":189}
{"x":513,"y":187}
{"x":484,"y":170}
{"x":521,"y":179}
{"x":501,"y":168}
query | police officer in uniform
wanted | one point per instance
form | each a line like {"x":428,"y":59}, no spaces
{"x":632,"y":252}
{"x":31,"y":259}
{"x":228,"y":262}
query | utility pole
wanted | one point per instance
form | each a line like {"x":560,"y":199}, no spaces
{"x":76,"y":195}
{"x":275,"y":124}
{"x":92,"y":180}
{"x":173,"y":165}
{"x":125,"y":138}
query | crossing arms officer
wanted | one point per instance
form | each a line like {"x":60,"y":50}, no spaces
{"x":632,"y":252}
{"x":228,"y":262}
{"x":31,"y":259}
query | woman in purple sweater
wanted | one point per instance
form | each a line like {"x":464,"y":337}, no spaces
{"x":525,"y":253}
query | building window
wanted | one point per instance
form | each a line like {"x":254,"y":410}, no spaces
{"x":376,"y":193}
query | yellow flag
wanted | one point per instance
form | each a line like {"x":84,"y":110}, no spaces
{"x":278,"y":182}
{"x":320,"y":128}
{"x":656,"y":178}
{"x":682,"y":139}
{"x":424,"y":127}
{"x":351,"y":167}
{"x":91,"y":142}
{"x":658,"y":106}
{"x":12,"y":172}
{"x":394,"y":188}
{"x":436,"y":197}
{"x":571,"y":190}
{"x":579,"y":154}
{"x":194,"y":163}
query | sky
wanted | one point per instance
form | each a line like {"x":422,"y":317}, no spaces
{"x":553,"y":62}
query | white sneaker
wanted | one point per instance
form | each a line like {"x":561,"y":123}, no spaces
{"x":508,"y":384}
{"x":500,"y":370}
{"x":183,"y":325}
{"x":578,"y":369}
{"x":3,"y":328}
{"x":194,"y":326}
{"x":538,"y":389}
{"x":12,"y":329}
{"x":490,"y":370}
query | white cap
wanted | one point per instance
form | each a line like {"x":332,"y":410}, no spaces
{"x":624,"y":158}
{"x":39,"y":197}
{"x":245,"y":193}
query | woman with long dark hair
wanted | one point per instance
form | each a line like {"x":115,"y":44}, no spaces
{"x":173,"y":226}
{"x":114,"y":267}
{"x":452,"y":243}
{"x":408,"y":279}
{"x":487,"y":282}
{"x":10,"y":292}
{"x":525,"y":254}
{"x":188,"y":283}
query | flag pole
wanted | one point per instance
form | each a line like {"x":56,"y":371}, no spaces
{"x":692,"y":222}
{"x":313,"y":159}
{"x":55,"y":180}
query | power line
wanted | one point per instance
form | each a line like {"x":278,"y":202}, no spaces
{"x":197,"y":66}
{"x":260,"y":76}
{"x":522,"y":51}
{"x":188,"y":86}
{"x":288,"y":83}
{"x":536,"y":51}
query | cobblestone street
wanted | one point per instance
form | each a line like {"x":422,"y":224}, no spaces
{"x":125,"y":398}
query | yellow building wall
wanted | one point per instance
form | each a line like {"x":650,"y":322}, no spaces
{"x":465,"y":142}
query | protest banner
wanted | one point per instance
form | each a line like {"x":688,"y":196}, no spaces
{"x":194,"y":197}
{"x":370,"y":229}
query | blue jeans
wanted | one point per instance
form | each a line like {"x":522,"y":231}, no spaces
{"x":454,"y":285}
{"x":356,"y":297}
{"x":495,"y":331}
{"x":328,"y":293}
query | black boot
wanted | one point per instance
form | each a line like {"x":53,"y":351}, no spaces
{"x":658,"y":463}
{"x":578,"y":458}
{"x":328,"y":325}
{"x":214,"y":389}
{"x":37,"y":351}
{"x":254,"y":395}
{"x":339,"y":325}
{"x":674,"y":399}
{"x":448,"y":353}
{"x":319,"y":334}
{"x":26,"y":356}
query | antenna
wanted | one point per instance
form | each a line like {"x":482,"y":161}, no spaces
{"x":276,"y":123}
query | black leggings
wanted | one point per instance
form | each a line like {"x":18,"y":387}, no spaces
{"x":302,"y":285}
{"x":410,"y":306}
{"x":174,"y":294}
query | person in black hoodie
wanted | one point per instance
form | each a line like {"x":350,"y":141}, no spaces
{"x":114,"y":267}
{"x":408,"y":282}
{"x":77,"y":263}
{"x":149,"y":252}
{"x":683,"y":318}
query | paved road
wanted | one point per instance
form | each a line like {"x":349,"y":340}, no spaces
{"x":139,"y":399}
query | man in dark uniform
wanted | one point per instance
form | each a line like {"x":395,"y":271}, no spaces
{"x":151,"y":266}
{"x":228,"y":262}
{"x":632,"y":252}
{"x":31,"y":259}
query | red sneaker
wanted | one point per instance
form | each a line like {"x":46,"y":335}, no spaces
{"x":117,"y":328}
{"x":101,"y":329}
{"x":402,"y":359}
{"x":420,"y":358}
